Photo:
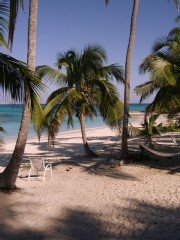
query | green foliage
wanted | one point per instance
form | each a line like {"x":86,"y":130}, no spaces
{"x":17,"y":81}
{"x":13,"y":11}
{"x":8,"y":11}
{"x":150,"y":129}
{"x":163,"y":66}
{"x":173,"y":126}
{"x":84,"y":88}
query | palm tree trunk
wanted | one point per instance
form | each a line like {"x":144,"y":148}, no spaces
{"x":87,"y":149}
{"x":9,"y":175}
{"x":124,"y":148}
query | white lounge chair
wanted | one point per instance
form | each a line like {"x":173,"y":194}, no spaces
{"x":38,"y":165}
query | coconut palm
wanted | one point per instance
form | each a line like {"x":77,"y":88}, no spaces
{"x":130,"y":47}
{"x":9,"y":175}
{"x":85,"y":89}
{"x":7,"y":22}
{"x":19,"y":83}
{"x":127,"y":75}
{"x":125,"y":134}
{"x":163,"y":65}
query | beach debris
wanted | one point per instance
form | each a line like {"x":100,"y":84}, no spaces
{"x":69,"y":168}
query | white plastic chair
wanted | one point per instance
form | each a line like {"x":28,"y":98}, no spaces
{"x":38,"y":165}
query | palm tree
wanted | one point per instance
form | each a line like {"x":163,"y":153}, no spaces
{"x":129,"y":52}
{"x":130,"y":47}
{"x":9,"y":175}
{"x":124,"y":147}
{"x":85,"y":88}
{"x":163,"y":65}
{"x":7,"y":22}
{"x":18,"y":82}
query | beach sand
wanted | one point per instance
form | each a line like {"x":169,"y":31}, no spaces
{"x":88,"y":199}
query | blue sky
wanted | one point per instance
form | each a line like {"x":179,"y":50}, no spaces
{"x":64,"y":24}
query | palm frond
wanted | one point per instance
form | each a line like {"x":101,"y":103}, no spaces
{"x":16,"y":79}
{"x":4,"y":14}
{"x":14,"y":7}
{"x":38,"y":117}
{"x":94,"y":52}
{"x":113,"y":71}
{"x":57,"y":112}
{"x":3,"y":42}
{"x":107,"y":1}
{"x":176,"y":3}
{"x":50,"y":74}
{"x":169,"y":104}
{"x":146,"y":89}
{"x":174,"y":32}
{"x":177,"y":18}
{"x":113,"y":115}
{"x":160,"y":43}
{"x":105,"y":87}
{"x":160,"y":69}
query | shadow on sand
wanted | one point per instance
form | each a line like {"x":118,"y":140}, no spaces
{"x":140,"y":221}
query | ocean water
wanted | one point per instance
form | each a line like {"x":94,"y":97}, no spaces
{"x":10,"y":118}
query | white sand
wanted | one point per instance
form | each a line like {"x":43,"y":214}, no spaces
{"x":83,"y":202}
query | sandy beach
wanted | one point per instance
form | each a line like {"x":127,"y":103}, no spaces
{"x":88,"y":199}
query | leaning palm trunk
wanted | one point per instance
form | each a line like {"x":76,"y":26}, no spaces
{"x":87,"y":149}
{"x":124,"y":151}
{"x":9,"y":175}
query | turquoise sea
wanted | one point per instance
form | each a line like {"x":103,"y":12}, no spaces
{"x":10,"y":118}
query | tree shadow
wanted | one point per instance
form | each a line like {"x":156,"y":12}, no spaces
{"x":61,"y":149}
{"x":164,"y":144}
{"x":140,"y":220}
{"x":65,"y":153}
{"x":115,"y":171}
{"x":11,"y":220}
{"x":130,"y":219}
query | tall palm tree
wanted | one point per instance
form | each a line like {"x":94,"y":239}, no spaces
{"x":18,"y":82}
{"x":124,"y":147}
{"x":130,"y":47}
{"x":8,"y":13}
{"x":85,"y":88}
{"x":163,"y":65}
{"x":129,"y":52}
{"x":9,"y":175}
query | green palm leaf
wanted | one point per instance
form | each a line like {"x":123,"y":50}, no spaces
{"x":86,"y":88}
{"x":163,"y":67}
{"x":16,"y":79}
